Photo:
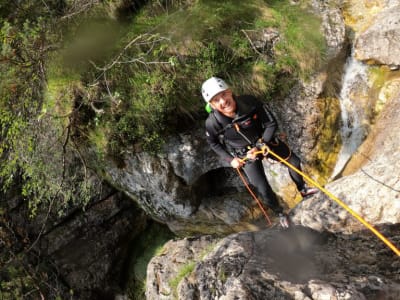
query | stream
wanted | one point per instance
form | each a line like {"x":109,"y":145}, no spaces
{"x":354,"y":120}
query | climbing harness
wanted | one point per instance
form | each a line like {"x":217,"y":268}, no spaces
{"x":237,"y":128}
{"x":265,"y":150}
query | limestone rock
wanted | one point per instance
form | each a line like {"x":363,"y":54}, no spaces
{"x":272,"y":264}
{"x":187,"y":188}
{"x":380,"y":42}
{"x":168,"y":267}
{"x":303,"y":107}
{"x":333,"y":25}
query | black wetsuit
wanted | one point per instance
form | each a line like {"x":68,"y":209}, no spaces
{"x":254,"y":121}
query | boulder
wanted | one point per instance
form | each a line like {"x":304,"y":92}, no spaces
{"x":380,"y":42}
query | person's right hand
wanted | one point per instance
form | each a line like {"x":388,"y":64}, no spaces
{"x":252,"y":153}
{"x":237,"y":163}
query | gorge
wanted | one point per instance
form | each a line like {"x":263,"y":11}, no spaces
{"x":179,"y":224}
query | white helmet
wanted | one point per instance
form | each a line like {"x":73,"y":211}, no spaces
{"x":213,"y":86}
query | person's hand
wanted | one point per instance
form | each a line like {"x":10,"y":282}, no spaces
{"x":237,"y":163}
{"x":252,"y":153}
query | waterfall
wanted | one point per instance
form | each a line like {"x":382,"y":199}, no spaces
{"x":354,"y":124}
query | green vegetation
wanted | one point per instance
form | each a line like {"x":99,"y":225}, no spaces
{"x":381,"y":78}
{"x":184,"y":271}
{"x":303,"y":46}
{"x":22,"y":277}
{"x":222,"y":274}
{"x":329,"y":139}
{"x":149,"y":244}
{"x":114,"y":85}
{"x":34,"y":139}
{"x":187,"y":269}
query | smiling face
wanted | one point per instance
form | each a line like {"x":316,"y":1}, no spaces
{"x":224,"y":103}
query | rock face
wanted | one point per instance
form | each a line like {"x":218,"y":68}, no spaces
{"x":380,"y":42}
{"x":271,"y":264}
{"x":163,"y":184}
{"x":332,"y":25}
{"x":372,"y":191}
{"x":301,"y":114}
{"x":86,"y":247}
{"x":327,"y":255}
{"x":164,"y":270}
{"x":187,"y":188}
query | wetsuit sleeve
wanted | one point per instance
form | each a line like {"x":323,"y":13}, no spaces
{"x":269,"y":123}
{"x":214,"y":142}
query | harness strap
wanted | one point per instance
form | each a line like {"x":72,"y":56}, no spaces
{"x":237,"y":128}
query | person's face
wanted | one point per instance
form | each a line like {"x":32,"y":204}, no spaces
{"x":224,"y":103}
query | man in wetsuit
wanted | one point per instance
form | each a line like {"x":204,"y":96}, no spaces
{"x":234,"y":127}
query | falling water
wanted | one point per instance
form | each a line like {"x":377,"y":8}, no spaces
{"x":354,"y":129}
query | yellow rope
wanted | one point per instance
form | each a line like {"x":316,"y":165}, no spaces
{"x":333,"y":197}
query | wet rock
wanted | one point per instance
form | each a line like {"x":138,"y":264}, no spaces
{"x":371,"y":191}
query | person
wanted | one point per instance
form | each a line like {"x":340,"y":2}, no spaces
{"x":234,"y":127}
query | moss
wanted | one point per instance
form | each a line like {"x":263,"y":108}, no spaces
{"x":329,"y":139}
{"x":186,"y":269}
{"x":60,"y":89}
{"x":183,"y":272}
{"x":359,"y":15}
{"x":222,"y":275}
{"x":381,"y":78}
{"x":149,"y":244}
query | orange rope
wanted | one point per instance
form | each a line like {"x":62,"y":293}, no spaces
{"x":255,"y":197}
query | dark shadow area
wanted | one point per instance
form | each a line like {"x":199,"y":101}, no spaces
{"x":129,"y":8}
{"x":141,"y":249}
{"x":216,"y":183}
